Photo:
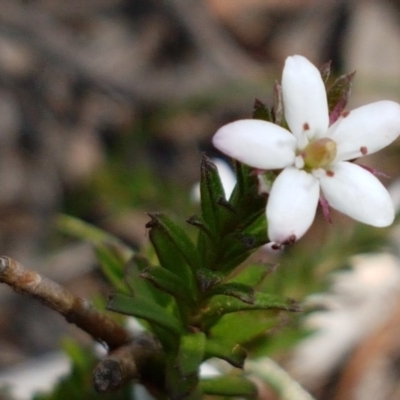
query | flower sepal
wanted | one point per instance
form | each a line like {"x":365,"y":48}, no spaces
{"x":338,"y":96}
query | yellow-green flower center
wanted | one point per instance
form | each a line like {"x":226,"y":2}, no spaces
{"x":319,"y":154}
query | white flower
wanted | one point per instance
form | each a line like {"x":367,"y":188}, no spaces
{"x":315,"y":156}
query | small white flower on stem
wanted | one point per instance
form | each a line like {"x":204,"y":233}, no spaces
{"x":315,"y":157}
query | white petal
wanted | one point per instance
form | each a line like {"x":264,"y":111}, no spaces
{"x":366,"y":129}
{"x":304,"y":98}
{"x":257,"y":143}
{"x":292,"y":205}
{"x":355,"y":192}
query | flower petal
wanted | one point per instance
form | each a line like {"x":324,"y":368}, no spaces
{"x":355,"y":192}
{"x":304,"y":98}
{"x":257,"y":143}
{"x":366,"y":129}
{"x":292,"y":205}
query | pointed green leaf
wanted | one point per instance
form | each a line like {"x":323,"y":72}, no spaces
{"x":261,"y":111}
{"x":191,"y":353}
{"x":214,"y":206}
{"x":177,"y":236}
{"x":112,"y":265}
{"x":244,"y":243}
{"x":221,"y":305}
{"x":245,"y":199}
{"x":170,"y":283}
{"x":224,"y":348}
{"x":82,"y":230}
{"x":139,"y":287}
{"x":240,"y":245}
{"x":200,"y":224}
{"x":338,"y":96}
{"x":253,"y":274}
{"x":243,"y":327}
{"x":171,"y":249}
{"x":141,"y":308}
{"x":239,"y":291}
{"x":229,"y":386}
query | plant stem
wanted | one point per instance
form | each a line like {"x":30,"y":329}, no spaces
{"x":75,"y":309}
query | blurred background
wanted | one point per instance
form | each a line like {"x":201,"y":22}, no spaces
{"x":106,"y":107}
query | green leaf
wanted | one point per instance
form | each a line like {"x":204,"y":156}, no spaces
{"x":245,"y":243}
{"x":191,"y":353}
{"x":214,"y":206}
{"x":170,"y":283}
{"x":230,"y":386}
{"x":243,"y":327}
{"x":196,"y":221}
{"x":209,"y":249}
{"x":261,"y":111}
{"x":245,"y":199}
{"x":253,"y":274}
{"x":220,"y":305}
{"x":243,"y":293}
{"x":150,"y":312}
{"x":338,"y":96}
{"x":82,"y":230}
{"x":175,"y":251}
{"x":239,"y":246}
{"x":139,"y":287}
{"x":224,"y":348}
{"x":112,"y":265}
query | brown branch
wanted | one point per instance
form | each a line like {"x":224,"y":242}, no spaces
{"x":141,"y":359}
{"x":75,"y":309}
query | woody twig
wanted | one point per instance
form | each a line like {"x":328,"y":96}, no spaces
{"x":141,"y":359}
{"x":75,"y":309}
{"x":128,"y":357}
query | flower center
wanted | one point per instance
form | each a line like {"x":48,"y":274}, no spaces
{"x":319,"y":154}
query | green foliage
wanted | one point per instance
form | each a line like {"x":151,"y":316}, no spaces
{"x":196,"y":296}
{"x":230,"y":386}
{"x":193,"y":299}
{"x":204,"y":306}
